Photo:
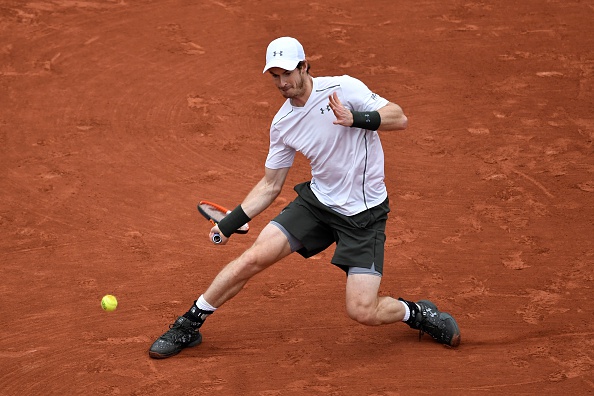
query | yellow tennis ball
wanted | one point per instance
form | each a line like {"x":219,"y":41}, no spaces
{"x":109,"y":303}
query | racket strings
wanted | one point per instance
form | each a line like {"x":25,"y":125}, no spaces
{"x":216,"y":214}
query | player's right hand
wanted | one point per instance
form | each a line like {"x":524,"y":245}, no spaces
{"x":215,"y":235}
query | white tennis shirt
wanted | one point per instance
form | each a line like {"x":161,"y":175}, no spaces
{"x":347,"y":164}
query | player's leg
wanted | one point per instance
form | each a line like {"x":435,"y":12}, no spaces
{"x":364,"y":305}
{"x":270,"y":246}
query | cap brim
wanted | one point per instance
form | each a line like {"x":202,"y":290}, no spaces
{"x":283,"y":64}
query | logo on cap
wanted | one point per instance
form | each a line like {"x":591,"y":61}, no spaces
{"x":284,"y":52}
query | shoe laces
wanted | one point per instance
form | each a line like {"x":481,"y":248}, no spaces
{"x":428,"y":321}
{"x":178,"y":331}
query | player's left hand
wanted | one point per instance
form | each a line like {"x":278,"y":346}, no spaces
{"x":343,"y":115}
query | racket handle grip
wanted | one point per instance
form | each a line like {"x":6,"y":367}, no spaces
{"x":216,"y":238}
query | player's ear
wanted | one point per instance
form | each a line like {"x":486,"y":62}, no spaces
{"x":303,"y":66}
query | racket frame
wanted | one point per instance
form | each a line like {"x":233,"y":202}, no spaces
{"x":216,"y":238}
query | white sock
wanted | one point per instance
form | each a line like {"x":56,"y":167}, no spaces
{"x":203,"y":305}
{"x":407,"y":313}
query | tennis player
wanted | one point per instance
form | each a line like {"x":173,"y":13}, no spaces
{"x":333,"y":122}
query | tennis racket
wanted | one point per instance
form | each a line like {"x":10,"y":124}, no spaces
{"x":215,"y":213}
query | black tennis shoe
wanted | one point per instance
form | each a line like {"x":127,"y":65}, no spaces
{"x":183,"y":333}
{"x":439,"y":325}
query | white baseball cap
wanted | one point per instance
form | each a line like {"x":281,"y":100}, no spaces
{"x":284,"y":52}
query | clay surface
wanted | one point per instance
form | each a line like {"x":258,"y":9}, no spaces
{"x":117,"y":117}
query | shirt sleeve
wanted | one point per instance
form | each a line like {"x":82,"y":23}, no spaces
{"x":358,"y":97}
{"x":279,"y":154}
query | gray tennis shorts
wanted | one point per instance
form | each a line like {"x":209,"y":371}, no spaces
{"x":359,"y":239}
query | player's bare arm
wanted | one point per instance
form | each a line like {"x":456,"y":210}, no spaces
{"x":260,"y":197}
{"x":392,"y":116}
{"x":265,"y":192}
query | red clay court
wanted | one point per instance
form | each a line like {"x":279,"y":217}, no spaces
{"x":117,"y":117}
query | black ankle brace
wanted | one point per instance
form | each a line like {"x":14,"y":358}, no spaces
{"x":413,"y":308}
{"x":197,"y":315}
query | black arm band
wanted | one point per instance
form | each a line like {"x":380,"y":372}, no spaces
{"x":370,"y":120}
{"x":233,"y":221}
